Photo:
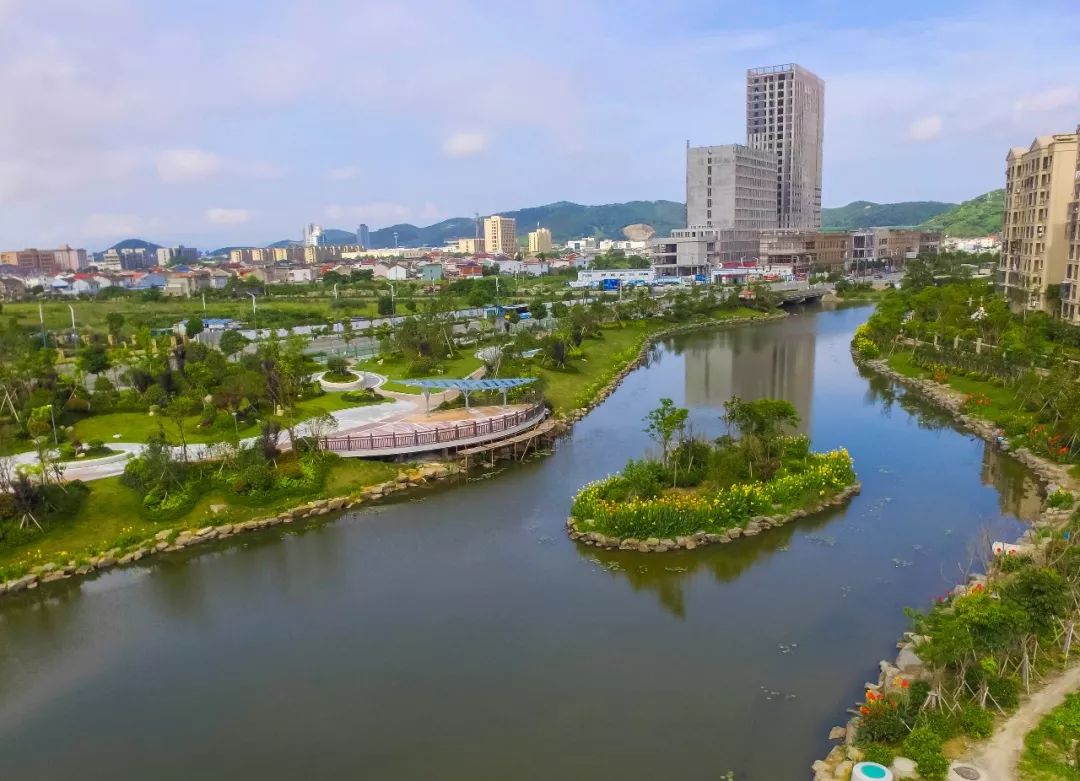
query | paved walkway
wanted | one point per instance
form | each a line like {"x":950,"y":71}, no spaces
{"x":350,"y":419}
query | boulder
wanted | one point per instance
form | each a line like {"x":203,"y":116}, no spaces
{"x":902,"y":767}
{"x":838,"y":733}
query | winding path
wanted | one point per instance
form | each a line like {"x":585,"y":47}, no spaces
{"x":999,"y":755}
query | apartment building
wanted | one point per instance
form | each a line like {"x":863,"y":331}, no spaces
{"x":500,"y":235}
{"x":1070,"y":288}
{"x":470,"y":246}
{"x":785,"y":114}
{"x":816,"y":250}
{"x":1040,"y":186}
{"x":891,"y":247}
{"x":539,"y":241}
{"x":45,"y":261}
{"x":730,"y":187}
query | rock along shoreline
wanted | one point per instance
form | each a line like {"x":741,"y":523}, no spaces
{"x":907,"y":666}
{"x":170,"y":540}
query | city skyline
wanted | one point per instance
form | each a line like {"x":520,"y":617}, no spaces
{"x":205,"y":133}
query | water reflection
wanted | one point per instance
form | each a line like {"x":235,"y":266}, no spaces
{"x":751,"y":364}
{"x":668,"y":574}
{"x":1018,"y":491}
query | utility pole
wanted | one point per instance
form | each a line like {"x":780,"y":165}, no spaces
{"x":41,"y":317}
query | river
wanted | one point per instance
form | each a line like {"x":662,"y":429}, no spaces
{"x":461,"y":635}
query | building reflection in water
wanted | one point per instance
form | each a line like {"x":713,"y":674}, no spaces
{"x":1017,"y":489}
{"x":751,"y":364}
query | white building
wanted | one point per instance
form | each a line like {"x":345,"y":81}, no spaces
{"x":624,"y":276}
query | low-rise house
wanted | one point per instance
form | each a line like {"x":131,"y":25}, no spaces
{"x":391,"y":271}
{"x":11,"y":288}
{"x":430,"y":272}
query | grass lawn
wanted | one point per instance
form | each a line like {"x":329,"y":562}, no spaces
{"x":462,"y":365}
{"x":1004,"y":408}
{"x":1050,"y":750}
{"x":112,"y":510}
{"x":138,"y":426}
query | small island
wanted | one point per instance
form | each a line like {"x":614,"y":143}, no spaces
{"x":700,"y":492}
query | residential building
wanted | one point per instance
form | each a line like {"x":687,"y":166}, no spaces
{"x":302,"y":275}
{"x":539,"y":241}
{"x":313,"y":236}
{"x":1040,"y":186}
{"x":290,"y":254}
{"x":245,"y":256}
{"x":1070,"y":288}
{"x":625,"y":276}
{"x":181,"y":254}
{"x":805,"y":249}
{"x":500,"y":235}
{"x":890,"y":248}
{"x":430,"y":272}
{"x":471,"y":246}
{"x":470,"y":270}
{"x":390,"y":271}
{"x":46,"y":261}
{"x":363,"y":235}
{"x":580,"y":245}
{"x":690,"y":252}
{"x":785,"y":114}
{"x":730,"y":187}
{"x":11,"y":288}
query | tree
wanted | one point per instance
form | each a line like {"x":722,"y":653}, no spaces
{"x":115,"y":322}
{"x":538,"y":309}
{"x":762,"y":427}
{"x":93,"y":359}
{"x":178,"y":410}
{"x":386,"y":305}
{"x":193,"y":327}
{"x":664,"y":423}
{"x":232,"y":342}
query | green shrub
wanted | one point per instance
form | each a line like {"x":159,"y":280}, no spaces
{"x":1005,"y":690}
{"x":882,"y":720}
{"x":878,"y":752}
{"x":923,"y":745}
{"x":1060,"y":499}
{"x":1010,"y":564}
{"x":975,"y":721}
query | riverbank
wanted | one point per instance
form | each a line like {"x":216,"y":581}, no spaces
{"x":113,"y":532}
{"x":896,"y":676}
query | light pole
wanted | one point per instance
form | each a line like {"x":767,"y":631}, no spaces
{"x":393,"y":295}
{"x":254,"y":315}
{"x":74,"y":336}
{"x":41,"y":317}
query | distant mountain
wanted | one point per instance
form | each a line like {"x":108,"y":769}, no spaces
{"x":135,"y":244}
{"x":977,"y":217}
{"x":565,"y":220}
{"x":866,"y":214}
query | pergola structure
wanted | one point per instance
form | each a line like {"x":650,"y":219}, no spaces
{"x":466,"y":387}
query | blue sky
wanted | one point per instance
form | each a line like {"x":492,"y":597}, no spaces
{"x":212,"y":122}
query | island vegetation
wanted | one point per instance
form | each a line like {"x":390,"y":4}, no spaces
{"x":697,"y":485}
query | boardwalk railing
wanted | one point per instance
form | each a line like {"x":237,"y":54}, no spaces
{"x":433,"y":438}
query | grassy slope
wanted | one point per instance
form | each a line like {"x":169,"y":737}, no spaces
{"x":464,"y":364}
{"x":112,"y":510}
{"x":1048,"y":747}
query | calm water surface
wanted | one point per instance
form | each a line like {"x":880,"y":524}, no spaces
{"x":463,"y":636}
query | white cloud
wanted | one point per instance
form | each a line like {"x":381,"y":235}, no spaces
{"x":344,"y":174}
{"x":107,"y":226}
{"x":465,"y":144}
{"x":187,"y":165}
{"x":1049,"y":100}
{"x":228,"y":216}
{"x":925,"y":128}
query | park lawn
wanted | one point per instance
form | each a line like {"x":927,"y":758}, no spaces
{"x":112,"y":511}
{"x":606,"y":355}
{"x":462,"y":365}
{"x":1004,"y":408}
{"x":139,"y":426}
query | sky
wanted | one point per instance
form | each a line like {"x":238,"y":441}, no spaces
{"x":215,"y":122}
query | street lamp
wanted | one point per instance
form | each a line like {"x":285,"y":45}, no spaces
{"x":254,"y":315}
{"x":74,"y":336}
{"x":393,"y":306}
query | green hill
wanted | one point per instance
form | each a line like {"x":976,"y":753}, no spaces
{"x":977,"y":217}
{"x":866,"y":214}
{"x":565,"y":220}
{"x":135,"y":244}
